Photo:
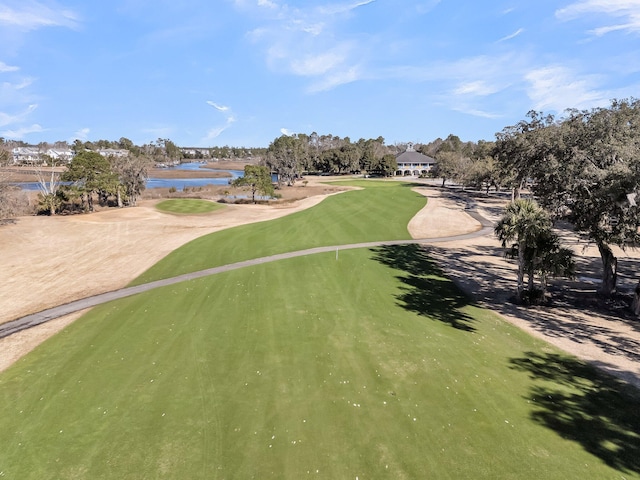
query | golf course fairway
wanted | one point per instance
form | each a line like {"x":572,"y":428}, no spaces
{"x":369,"y":364}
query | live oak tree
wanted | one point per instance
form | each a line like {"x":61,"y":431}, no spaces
{"x":91,"y":174}
{"x":132,"y":171}
{"x":257,"y":178}
{"x":286,"y":156}
{"x":447,"y":166}
{"x":520,"y":147}
{"x":585,"y":169}
{"x":591,"y":176}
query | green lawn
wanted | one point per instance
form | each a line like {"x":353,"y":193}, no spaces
{"x":369,"y":365}
{"x":188,"y":206}
{"x":379,"y":212}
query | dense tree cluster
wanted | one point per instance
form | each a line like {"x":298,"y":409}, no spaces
{"x":585,"y":169}
{"x":91,"y":175}
{"x":290,"y":155}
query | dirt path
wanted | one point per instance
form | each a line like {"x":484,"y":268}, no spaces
{"x":143,"y":236}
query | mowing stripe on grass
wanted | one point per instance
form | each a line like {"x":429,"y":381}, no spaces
{"x":341,"y":368}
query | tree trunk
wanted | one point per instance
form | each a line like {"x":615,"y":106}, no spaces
{"x":609,"y":270}
{"x":531,"y":285}
{"x":520,"y":285}
{"x":120,"y":204}
{"x":635,"y":305}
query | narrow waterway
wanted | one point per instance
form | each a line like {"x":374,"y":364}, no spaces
{"x":177,"y":183}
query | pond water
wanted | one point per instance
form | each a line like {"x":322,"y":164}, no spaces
{"x":177,"y":183}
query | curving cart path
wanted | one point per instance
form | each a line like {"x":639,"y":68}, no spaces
{"x":44,"y":316}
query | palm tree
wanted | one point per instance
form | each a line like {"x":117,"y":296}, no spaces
{"x":522,"y":225}
{"x":550,"y":259}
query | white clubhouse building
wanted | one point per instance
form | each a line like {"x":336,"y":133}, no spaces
{"x":414,"y":164}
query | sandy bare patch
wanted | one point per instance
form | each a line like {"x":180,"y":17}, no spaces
{"x":441,"y":217}
{"x":48,"y":261}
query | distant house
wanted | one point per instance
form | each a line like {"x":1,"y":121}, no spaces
{"x":26,"y":156}
{"x":195,"y":152}
{"x":60,"y":155}
{"x":35,"y":156}
{"x":412,"y":163}
{"x":112,"y":152}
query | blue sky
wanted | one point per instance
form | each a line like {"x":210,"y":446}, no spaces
{"x":243,"y":72}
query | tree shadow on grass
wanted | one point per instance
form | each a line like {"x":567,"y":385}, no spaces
{"x":598,"y":411}
{"x":425,"y":289}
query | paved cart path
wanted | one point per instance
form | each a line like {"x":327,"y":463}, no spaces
{"x":43,"y":316}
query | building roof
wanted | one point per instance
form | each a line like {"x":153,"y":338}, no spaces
{"x":411,"y":156}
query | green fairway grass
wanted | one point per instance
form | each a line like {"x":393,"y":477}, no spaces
{"x":310,"y":367}
{"x":368,"y":364}
{"x":379,"y":212}
{"x":188,"y":206}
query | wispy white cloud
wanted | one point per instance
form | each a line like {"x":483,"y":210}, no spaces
{"x":313,"y":65}
{"x":475,"y":112}
{"x":82,"y":134}
{"x":337,"y":9}
{"x":309,"y":42}
{"x":8,"y":68}
{"x":335,"y":79}
{"x":24,"y":83}
{"x":11,"y":119}
{"x":31,"y":15}
{"x":286,"y":132}
{"x":22,"y":132}
{"x":513,"y":35}
{"x":557,"y":88}
{"x":216,"y":131}
{"x":476,"y":88}
{"x":267,"y":3}
{"x":628,"y":11}
{"x":222,"y":108}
